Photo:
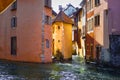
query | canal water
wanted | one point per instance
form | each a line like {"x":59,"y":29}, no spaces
{"x":75,"y":70}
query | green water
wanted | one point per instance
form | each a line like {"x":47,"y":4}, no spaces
{"x":75,"y":70}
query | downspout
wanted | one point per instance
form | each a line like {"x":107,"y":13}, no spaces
{"x":85,"y":25}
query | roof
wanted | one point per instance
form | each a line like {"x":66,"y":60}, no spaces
{"x":70,"y":10}
{"x":78,"y":11}
{"x":82,"y":3}
{"x":54,"y":13}
{"x":62,"y":17}
{"x":69,"y":5}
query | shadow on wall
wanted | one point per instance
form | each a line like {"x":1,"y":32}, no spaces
{"x":59,"y":56}
{"x":95,"y":51}
{"x":115,"y":49}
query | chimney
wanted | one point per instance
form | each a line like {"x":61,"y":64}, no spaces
{"x":60,"y":7}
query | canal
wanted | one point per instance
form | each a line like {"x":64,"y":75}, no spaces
{"x":75,"y":70}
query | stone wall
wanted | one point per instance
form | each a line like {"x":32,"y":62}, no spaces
{"x":115,"y":49}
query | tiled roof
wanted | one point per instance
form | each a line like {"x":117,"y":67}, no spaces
{"x":62,"y":17}
{"x":54,"y":13}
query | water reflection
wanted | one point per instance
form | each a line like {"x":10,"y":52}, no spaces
{"x":76,"y":70}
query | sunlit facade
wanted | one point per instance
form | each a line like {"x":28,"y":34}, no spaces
{"x":62,"y":35}
{"x":25,"y":31}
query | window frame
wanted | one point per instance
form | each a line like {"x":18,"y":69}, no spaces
{"x":97,"y":20}
{"x":14,"y":22}
{"x":14,"y":45}
{"x":47,"y":43}
{"x":90,"y":24}
{"x":97,"y":3}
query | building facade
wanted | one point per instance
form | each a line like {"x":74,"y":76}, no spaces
{"x":97,"y":41}
{"x":62,"y":35}
{"x":102,"y":37}
{"x":114,"y":31}
{"x":25,"y":31}
{"x":89,"y":42}
{"x":80,"y":27}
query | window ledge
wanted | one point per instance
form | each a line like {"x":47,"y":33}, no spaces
{"x":97,"y":5}
{"x":90,"y":31}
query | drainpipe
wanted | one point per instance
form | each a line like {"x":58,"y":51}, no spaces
{"x":85,"y":24}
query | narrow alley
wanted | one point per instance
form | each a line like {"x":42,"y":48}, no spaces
{"x":75,"y":70}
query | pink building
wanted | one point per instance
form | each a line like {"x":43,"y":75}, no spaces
{"x":106,"y":31}
{"x":114,"y":30}
{"x":25,"y":31}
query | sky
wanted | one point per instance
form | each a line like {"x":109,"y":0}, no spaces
{"x":56,"y":3}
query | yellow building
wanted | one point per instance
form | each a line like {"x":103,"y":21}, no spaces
{"x":62,"y":35}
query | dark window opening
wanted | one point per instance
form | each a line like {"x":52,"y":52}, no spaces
{"x":58,"y":27}
{"x":14,"y":22}
{"x":47,"y":43}
{"x":58,"y":40}
{"x":13,"y":46}
{"x":97,"y":20}
{"x":97,"y":2}
{"x":14,"y":5}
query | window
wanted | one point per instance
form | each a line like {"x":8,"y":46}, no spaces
{"x":58,"y":27}
{"x":89,"y":5}
{"x":47,"y":20}
{"x":14,"y":6}
{"x":58,"y":40}
{"x":48,"y":3}
{"x":13,"y":45}
{"x":13,"y":22}
{"x":97,"y":2}
{"x":90,"y":25}
{"x":47,"y":43}
{"x":97,"y":20}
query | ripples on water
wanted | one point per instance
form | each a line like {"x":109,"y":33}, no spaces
{"x":75,"y":70}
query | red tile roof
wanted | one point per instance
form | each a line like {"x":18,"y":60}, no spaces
{"x":62,"y":17}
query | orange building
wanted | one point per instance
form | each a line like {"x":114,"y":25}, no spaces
{"x":62,"y":35}
{"x":25,"y":31}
